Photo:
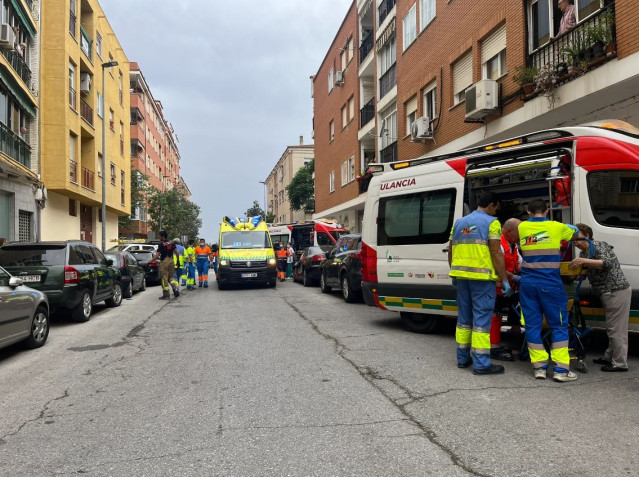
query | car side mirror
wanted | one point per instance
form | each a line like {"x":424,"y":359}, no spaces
{"x":15,"y":282}
{"x":109,"y":262}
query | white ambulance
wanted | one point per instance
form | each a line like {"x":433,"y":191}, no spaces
{"x":588,"y":174}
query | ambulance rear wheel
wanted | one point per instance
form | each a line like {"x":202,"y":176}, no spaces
{"x":420,"y":323}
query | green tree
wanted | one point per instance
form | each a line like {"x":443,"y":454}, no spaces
{"x":301,"y":190}
{"x":270,"y":217}
{"x":254,"y":210}
{"x":139,"y":191}
{"x":170,"y":211}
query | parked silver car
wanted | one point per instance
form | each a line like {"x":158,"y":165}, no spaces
{"x":24,"y":313}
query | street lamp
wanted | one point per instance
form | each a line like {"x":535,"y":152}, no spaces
{"x":264,"y":183}
{"x":106,"y":65}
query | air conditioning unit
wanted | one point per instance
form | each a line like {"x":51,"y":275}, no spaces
{"x":7,"y":37}
{"x":339,"y":77}
{"x":85,"y":83}
{"x":482,"y":98}
{"x":421,"y":129}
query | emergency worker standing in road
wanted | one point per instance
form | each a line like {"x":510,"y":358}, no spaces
{"x":541,"y":293}
{"x":289,"y":261}
{"x":165,"y":252}
{"x":282,"y":258}
{"x":189,"y":265}
{"x":203,"y":256}
{"x":512,"y":259}
{"x":476,"y":263}
{"x":178,"y":259}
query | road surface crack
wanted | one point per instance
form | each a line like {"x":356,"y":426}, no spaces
{"x":374,"y":379}
{"x":3,"y":439}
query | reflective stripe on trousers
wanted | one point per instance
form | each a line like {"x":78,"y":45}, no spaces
{"x":476,"y":301}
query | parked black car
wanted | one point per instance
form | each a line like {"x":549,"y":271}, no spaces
{"x":74,"y":274}
{"x":151,"y":267}
{"x":307,"y":268}
{"x":342,"y":268}
{"x":132,"y":274}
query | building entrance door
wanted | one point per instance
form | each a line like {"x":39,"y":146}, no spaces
{"x":86,"y":223}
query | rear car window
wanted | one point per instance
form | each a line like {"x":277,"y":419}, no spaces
{"x":142,"y":255}
{"x":113,"y":256}
{"x":33,"y":256}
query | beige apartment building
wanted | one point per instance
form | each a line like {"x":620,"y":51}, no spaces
{"x":80,"y":53}
{"x":277,"y":203}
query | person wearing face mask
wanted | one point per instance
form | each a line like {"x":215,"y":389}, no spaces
{"x":202,"y":257}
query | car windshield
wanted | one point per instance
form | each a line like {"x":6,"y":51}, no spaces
{"x":141,"y":256}
{"x":246,"y":239}
{"x":18,"y":256}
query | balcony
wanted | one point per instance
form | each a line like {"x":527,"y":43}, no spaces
{"x":384,"y":9}
{"x":72,"y":98}
{"x":14,"y":146}
{"x":363,"y":183}
{"x":85,"y":44}
{"x":586,"y":46}
{"x":73,"y":171}
{"x":367,"y":113}
{"x":19,"y":65}
{"x":86,"y":112}
{"x":387,"y":81}
{"x":366,"y":47}
{"x":389,"y":153}
{"x":88,"y":179}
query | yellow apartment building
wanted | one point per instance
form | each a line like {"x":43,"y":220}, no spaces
{"x":77,"y":43}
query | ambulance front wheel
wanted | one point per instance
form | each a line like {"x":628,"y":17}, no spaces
{"x":420,"y":323}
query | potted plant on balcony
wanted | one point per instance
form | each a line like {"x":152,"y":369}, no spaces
{"x":546,"y":83}
{"x":525,"y":77}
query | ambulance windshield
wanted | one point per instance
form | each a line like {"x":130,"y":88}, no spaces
{"x":245,"y":239}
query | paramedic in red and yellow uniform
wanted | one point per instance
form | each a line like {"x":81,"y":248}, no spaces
{"x":541,"y":293}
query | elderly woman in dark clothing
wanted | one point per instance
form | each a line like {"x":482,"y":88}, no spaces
{"x":609,"y":283}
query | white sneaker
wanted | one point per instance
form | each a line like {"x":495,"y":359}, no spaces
{"x":540,"y":373}
{"x":564,"y":377}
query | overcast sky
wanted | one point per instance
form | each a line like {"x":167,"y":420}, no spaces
{"x":233,"y":77}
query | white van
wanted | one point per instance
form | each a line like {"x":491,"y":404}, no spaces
{"x":588,"y":174}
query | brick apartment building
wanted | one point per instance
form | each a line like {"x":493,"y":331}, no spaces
{"x":154,"y":150}
{"x":291,"y":161}
{"x":417,"y":59}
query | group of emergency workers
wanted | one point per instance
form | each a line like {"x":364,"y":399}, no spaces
{"x":285,"y":257}
{"x":523,"y":260}
{"x":179,"y":263}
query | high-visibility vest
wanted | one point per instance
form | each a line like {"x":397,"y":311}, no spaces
{"x":282,"y":253}
{"x":189,"y":255}
{"x":202,"y":252}
{"x":178,"y":258}
{"x":540,"y":242}
{"x":471,"y":258}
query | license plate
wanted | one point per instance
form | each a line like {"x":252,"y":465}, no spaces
{"x":30,"y":278}
{"x":249,"y":275}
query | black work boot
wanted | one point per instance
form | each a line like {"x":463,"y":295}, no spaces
{"x":492,"y":369}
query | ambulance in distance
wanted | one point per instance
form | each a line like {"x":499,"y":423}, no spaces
{"x":587,"y":174}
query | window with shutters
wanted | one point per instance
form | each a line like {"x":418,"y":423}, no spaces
{"x":462,"y":77}
{"x":331,"y":181}
{"x":331,"y":79}
{"x":351,"y":108}
{"x":331,"y":130}
{"x":410,"y":26}
{"x":411,"y":114}
{"x":388,"y":130}
{"x":493,"y":54}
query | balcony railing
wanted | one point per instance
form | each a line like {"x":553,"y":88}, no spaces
{"x":367,"y":113}
{"x":72,"y":23}
{"x":14,"y":146}
{"x":86,"y":112}
{"x":384,"y":9}
{"x":387,"y":81}
{"x":85,"y":44}
{"x":389,"y":153}
{"x":19,"y":65}
{"x":575,"y":46}
{"x":71,"y":97}
{"x":366,"y":47}
{"x":88,"y":179}
{"x":73,"y":171}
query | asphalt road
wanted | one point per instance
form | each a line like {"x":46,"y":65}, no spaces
{"x":293,"y":382}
